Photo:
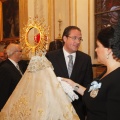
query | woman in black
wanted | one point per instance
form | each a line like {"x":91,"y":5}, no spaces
{"x":102,"y":96}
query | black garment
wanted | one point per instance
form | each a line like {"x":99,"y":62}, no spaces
{"x":54,"y":45}
{"x":23,"y":64}
{"x":1,"y":63}
{"x":82,"y":73}
{"x":106,"y":105}
{"x":9,"y":77}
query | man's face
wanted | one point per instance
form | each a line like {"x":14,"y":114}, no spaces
{"x":72,"y":42}
{"x":18,"y":54}
{"x":2,"y":58}
{"x":5,"y":54}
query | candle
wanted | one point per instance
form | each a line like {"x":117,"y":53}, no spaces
{"x":60,"y":16}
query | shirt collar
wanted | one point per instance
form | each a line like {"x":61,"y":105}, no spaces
{"x":15,"y":64}
{"x":66,"y":53}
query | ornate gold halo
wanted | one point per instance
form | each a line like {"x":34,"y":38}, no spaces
{"x":41,"y":46}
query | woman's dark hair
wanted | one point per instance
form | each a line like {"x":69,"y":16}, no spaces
{"x":54,"y":45}
{"x":109,"y":37}
{"x":105,"y":35}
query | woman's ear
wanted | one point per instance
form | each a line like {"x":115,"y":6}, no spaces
{"x":109,"y":51}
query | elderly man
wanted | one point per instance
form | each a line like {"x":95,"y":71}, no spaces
{"x":10,"y":72}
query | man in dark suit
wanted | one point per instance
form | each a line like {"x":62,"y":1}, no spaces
{"x":9,"y":73}
{"x":82,"y":67}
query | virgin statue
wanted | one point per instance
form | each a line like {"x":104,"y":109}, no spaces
{"x":38,"y":95}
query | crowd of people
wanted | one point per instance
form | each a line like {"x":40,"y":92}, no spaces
{"x":99,"y":98}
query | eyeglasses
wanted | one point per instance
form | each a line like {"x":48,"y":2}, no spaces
{"x":75,"y":38}
{"x":19,"y":51}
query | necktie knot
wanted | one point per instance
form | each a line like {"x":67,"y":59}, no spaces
{"x":70,"y":57}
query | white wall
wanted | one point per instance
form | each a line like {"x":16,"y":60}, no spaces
{"x":85,"y":20}
{"x":71,"y":12}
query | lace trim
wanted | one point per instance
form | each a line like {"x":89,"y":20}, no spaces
{"x":38,"y":63}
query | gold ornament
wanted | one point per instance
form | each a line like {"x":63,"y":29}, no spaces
{"x":94,"y":93}
{"x":32,"y":46}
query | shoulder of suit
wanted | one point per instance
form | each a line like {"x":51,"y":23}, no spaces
{"x":54,"y":52}
{"x":82,"y":53}
{"x":7,"y":63}
{"x":6,"y":66}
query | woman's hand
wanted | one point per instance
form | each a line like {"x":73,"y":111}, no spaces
{"x":80,"y":89}
{"x":69,"y":81}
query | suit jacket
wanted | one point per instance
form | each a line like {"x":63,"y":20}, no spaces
{"x":9,"y":77}
{"x":23,"y":65}
{"x":82,"y":73}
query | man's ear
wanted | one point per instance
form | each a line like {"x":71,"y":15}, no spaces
{"x":64,"y":38}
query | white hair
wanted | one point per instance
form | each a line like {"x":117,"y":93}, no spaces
{"x":11,"y":49}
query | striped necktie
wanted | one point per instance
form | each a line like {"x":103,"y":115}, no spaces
{"x":70,"y":65}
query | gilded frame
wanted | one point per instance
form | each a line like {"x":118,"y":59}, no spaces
{"x":10,"y":10}
{"x":23,"y":13}
{"x":107,"y":13}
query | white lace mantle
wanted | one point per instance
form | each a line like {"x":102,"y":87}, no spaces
{"x":38,"y":63}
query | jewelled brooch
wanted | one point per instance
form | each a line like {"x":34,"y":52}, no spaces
{"x":94,"y":89}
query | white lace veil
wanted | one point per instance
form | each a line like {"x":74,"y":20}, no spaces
{"x":38,"y":63}
{"x":38,"y":96}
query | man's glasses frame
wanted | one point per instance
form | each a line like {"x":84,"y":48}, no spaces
{"x":75,"y":38}
{"x":19,"y":51}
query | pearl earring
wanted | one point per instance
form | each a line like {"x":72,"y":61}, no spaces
{"x":107,"y":56}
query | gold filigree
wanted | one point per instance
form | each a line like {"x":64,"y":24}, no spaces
{"x":40,"y":112}
{"x":39,"y":93}
{"x":74,"y":115}
{"x":19,"y":110}
{"x":40,"y":47}
{"x":58,"y":85}
{"x":94,"y":93}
